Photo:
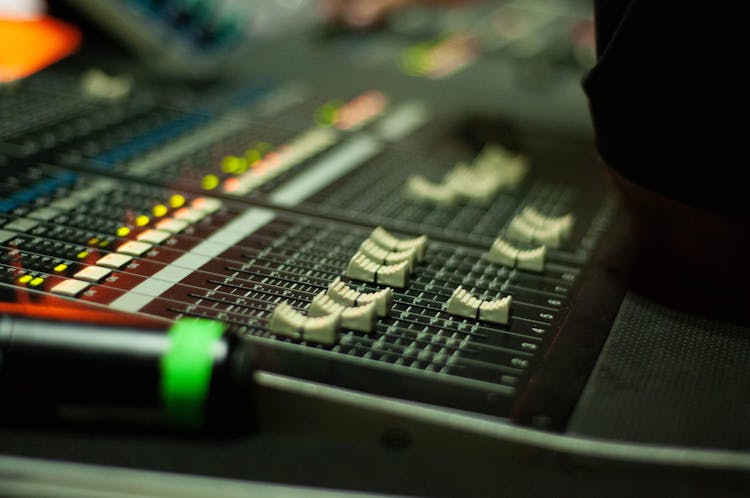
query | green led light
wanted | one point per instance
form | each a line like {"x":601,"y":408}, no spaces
{"x":186,"y":369}
{"x":326,"y":114}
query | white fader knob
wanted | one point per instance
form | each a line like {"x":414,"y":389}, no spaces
{"x":421,"y":189}
{"x":288,"y":322}
{"x":511,"y":167}
{"x":497,"y":311}
{"x":531,"y":226}
{"x":384,"y":256}
{"x":361,"y":318}
{"x":345,"y":295}
{"x":363,"y":268}
{"x":461,"y":303}
{"x":562,"y":224}
{"x":386,"y":240}
{"x":504,"y":253}
{"x":473,"y":185}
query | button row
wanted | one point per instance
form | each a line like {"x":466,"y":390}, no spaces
{"x":124,"y":253}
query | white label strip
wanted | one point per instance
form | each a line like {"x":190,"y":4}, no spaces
{"x":139,"y":296}
{"x":329,"y":168}
{"x":402,"y":121}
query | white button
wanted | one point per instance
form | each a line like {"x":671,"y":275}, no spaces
{"x":134,"y":248}
{"x":172,"y":225}
{"x":70,"y":287}
{"x":21,"y":225}
{"x":114,"y":261}
{"x":190,"y":215}
{"x":93,"y":274}
{"x":44,"y":214}
{"x":386,"y":240}
{"x":207,"y":204}
{"x":153,"y":236}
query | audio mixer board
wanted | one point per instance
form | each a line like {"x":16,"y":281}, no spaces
{"x":347,"y":237}
{"x":411,"y":229}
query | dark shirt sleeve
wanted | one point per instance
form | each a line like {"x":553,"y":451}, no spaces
{"x":660,"y":99}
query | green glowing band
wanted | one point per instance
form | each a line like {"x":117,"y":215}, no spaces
{"x":186,"y":369}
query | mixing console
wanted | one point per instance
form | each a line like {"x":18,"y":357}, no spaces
{"x":351,"y":248}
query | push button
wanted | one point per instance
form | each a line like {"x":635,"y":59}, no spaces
{"x":93,"y":274}
{"x":134,"y":248}
{"x":70,"y":287}
{"x":114,"y":261}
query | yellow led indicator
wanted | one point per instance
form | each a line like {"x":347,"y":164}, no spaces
{"x":93,"y":241}
{"x":176,"y":201}
{"x":104,"y":243}
{"x":233,"y":164}
{"x":160,"y":210}
{"x":82,"y":255}
{"x":25,"y":279}
{"x":253,"y":156}
{"x":142,"y":220}
{"x":210,"y":182}
{"x":61,"y":267}
{"x":36,"y":282}
{"x":123,"y":231}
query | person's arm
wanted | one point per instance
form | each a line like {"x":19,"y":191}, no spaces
{"x":659,"y":103}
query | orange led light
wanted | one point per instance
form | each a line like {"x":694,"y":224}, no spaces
{"x":231,"y":185}
{"x":26,"y":46}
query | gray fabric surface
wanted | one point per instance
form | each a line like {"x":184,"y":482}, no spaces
{"x":671,"y":377}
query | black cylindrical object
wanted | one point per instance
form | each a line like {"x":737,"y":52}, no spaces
{"x":191,"y":376}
